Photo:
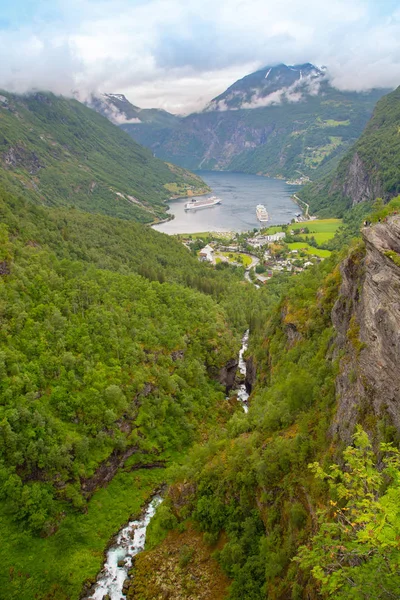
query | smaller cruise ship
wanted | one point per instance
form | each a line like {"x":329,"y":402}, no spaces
{"x":202,"y":203}
{"x":261,"y":213}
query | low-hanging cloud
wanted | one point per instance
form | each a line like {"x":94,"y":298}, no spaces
{"x":178,"y":55}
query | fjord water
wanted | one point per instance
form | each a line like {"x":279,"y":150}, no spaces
{"x":240,"y":193}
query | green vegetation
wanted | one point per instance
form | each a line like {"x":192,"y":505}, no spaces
{"x":250,"y":482}
{"x":309,"y":136}
{"x":309,"y":249}
{"x":315,"y":237}
{"x":374,"y":159}
{"x":238,"y":257}
{"x":333,"y":123}
{"x":112,"y":339}
{"x":356,"y":549}
{"x":55,"y":567}
{"x":113,"y":345}
{"x":54,"y":350}
{"x":58,"y":152}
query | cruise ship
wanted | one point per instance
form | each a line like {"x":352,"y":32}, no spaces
{"x":202,"y":203}
{"x":261,"y":213}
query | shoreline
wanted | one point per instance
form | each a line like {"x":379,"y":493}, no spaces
{"x":172,"y":217}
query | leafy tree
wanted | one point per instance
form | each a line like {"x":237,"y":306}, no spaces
{"x":356,"y":551}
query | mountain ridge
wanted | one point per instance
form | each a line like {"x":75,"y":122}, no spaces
{"x":370,"y":169}
{"x":58,"y":152}
{"x":276,"y":121}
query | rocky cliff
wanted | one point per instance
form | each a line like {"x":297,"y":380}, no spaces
{"x":369,"y":170}
{"x":367,"y":320}
{"x":360,"y":184}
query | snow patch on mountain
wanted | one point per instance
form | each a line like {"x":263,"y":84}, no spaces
{"x":112,"y":112}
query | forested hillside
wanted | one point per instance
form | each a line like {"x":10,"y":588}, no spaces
{"x":115,"y":347}
{"x":370,"y":169}
{"x":114,"y":340}
{"x":58,"y":152}
{"x":326,"y":378}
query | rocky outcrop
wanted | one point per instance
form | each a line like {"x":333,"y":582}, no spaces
{"x":367,"y":320}
{"x":359,"y":184}
{"x":251,"y":374}
{"x":227,"y":374}
{"x":18,"y":157}
{"x":4,"y":268}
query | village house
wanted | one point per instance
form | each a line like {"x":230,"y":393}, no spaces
{"x":207,"y":254}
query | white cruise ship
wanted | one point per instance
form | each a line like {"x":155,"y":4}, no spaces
{"x":202,"y":203}
{"x":261,"y":213}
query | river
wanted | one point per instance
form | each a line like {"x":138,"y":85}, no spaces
{"x":240,"y":193}
{"x":131,"y":538}
{"x":242,"y":394}
{"x":129,"y":542}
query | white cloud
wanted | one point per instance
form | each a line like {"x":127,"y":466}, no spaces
{"x":178,"y":54}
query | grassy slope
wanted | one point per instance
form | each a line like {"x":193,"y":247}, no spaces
{"x":58,"y":152}
{"x":379,"y":151}
{"x":322,"y":230}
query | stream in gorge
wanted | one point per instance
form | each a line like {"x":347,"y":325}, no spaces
{"x":129,"y":542}
{"x":242,"y":394}
{"x":131,"y":538}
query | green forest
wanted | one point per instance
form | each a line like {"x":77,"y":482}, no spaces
{"x":115,"y":346}
{"x":285,"y":508}
{"x":112,"y":340}
{"x":58,"y":152}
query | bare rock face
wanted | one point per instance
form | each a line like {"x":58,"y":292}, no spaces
{"x":227,"y":374}
{"x":367,"y":320}
{"x":251,"y":374}
{"x":359,"y":185}
{"x":18,"y":157}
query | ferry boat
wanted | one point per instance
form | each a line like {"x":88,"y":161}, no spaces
{"x":261,"y":213}
{"x":202,"y":203}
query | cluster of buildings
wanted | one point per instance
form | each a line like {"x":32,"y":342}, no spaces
{"x":262,"y":240}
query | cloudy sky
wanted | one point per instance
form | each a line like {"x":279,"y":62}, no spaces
{"x":178,"y":54}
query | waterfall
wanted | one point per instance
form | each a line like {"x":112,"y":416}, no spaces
{"x":242,"y":395}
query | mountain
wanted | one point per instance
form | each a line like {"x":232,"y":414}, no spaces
{"x":114,"y":343}
{"x":369,"y":170}
{"x":281,"y":121}
{"x":270,"y":86}
{"x":120,"y":111}
{"x":58,"y":152}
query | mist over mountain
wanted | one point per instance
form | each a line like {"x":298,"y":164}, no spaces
{"x":280,"y":121}
{"x":271,"y":86}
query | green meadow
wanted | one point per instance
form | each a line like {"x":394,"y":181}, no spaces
{"x":309,"y":249}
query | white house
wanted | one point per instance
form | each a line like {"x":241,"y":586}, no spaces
{"x":207,"y":254}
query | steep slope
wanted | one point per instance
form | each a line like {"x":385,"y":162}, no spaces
{"x":113,"y":345}
{"x":326,"y":360}
{"x":367,"y":317}
{"x":120,"y":111}
{"x":279,"y":121}
{"x":58,"y":152}
{"x":369,"y":170}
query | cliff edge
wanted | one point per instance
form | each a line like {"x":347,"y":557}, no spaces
{"x":367,"y":320}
